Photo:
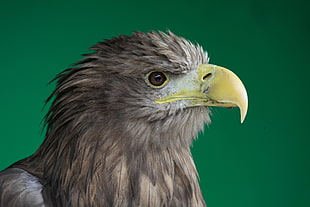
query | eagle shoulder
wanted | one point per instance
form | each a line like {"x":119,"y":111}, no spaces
{"x":19,"y":188}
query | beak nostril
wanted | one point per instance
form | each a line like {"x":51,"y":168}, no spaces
{"x":206,"y":76}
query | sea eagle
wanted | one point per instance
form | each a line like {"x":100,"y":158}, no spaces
{"x":120,"y":127}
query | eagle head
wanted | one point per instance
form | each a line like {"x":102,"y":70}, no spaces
{"x":122,"y":120}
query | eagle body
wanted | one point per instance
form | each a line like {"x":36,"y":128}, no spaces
{"x":109,"y":142}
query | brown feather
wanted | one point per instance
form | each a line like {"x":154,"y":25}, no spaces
{"x":107,"y":142}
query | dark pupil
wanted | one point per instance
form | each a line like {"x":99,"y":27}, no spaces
{"x":157,"y":78}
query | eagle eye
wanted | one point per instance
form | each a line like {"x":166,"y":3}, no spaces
{"x":157,"y":79}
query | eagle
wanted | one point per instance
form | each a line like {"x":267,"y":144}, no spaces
{"x":120,"y":127}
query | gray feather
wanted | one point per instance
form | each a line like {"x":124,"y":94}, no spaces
{"x":19,"y":189}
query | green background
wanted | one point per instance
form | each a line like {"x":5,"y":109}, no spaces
{"x":263,"y":162}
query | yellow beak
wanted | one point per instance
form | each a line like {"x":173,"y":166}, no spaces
{"x":210,"y":85}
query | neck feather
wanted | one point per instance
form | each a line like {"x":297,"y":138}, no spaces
{"x":113,"y":163}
